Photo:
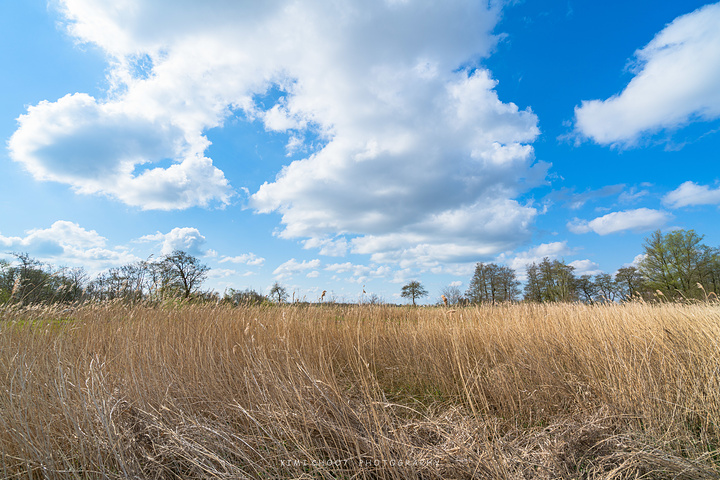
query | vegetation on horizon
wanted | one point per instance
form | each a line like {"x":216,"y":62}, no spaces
{"x":676,"y":266}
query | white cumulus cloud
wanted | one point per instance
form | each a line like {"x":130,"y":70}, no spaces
{"x":67,"y":243}
{"x":187,"y":239}
{"x":415,"y":150}
{"x":690,"y":193}
{"x":585,"y":267}
{"x":676,"y":82}
{"x":105,"y":148}
{"x":536,"y":254}
{"x":246,"y":258}
{"x":292,"y":267}
{"x":639,"y":220}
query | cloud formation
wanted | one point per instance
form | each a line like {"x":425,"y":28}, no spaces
{"x":585,"y":267}
{"x":246,"y":259}
{"x":418,"y":154}
{"x":536,"y":254}
{"x":103,"y":147}
{"x":69,"y":243}
{"x":638,"y":220}
{"x":187,"y":239}
{"x":675,"y":83}
{"x":690,"y":193}
{"x":292,"y":267}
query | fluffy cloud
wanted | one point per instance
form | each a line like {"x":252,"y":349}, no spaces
{"x":360,"y":273}
{"x":676,"y":82}
{"x":246,"y":258}
{"x":536,"y":254}
{"x":416,"y":149}
{"x":641,"y":219}
{"x":68,"y":243}
{"x":439,"y":185}
{"x":327,"y":246}
{"x":292,"y":267}
{"x":585,"y":267}
{"x":690,"y":193}
{"x":102,"y":148}
{"x":187,"y":239}
{"x":636,"y":261}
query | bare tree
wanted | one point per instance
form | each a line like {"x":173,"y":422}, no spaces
{"x":279,"y":292}
{"x":183,"y":273}
{"x":453,"y":294}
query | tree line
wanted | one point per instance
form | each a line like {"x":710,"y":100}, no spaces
{"x":675,"y":266}
{"x":29,"y":281}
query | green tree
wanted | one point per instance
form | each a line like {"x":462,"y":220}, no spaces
{"x":533,"y":291}
{"x":6,"y":281}
{"x":413,"y":290}
{"x":711,"y":277}
{"x":30,"y":281}
{"x":629,"y":283}
{"x":676,"y":262}
{"x":551,"y":281}
{"x":493,"y":283}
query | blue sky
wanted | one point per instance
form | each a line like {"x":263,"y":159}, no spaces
{"x":359,"y":144}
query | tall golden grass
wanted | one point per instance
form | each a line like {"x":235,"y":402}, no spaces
{"x":507,"y":391}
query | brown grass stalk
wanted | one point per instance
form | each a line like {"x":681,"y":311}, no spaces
{"x":503,"y":391}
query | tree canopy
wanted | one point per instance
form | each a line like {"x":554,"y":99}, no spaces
{"x":493,"y":283}
{"x":677,"y":263}
{"x":278,"y":292}
{"x":413,"y":291}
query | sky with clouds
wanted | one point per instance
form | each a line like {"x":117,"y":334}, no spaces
{"x":353,"y":146}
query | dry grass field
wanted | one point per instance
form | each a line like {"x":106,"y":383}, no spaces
{"x":361,"y":392}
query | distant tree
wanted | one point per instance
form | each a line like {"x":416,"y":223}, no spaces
{"x":533,"y":291}
{"x":607,"y":288}
{"x":242,"y":297}
{"x":131,"y":282}
{"x":551,"y":281}
{"x":629,"y":283}
{"x":676,"y":262}
{"x":587,"y":289}
{"x":74,"y":282}
{"x":560,"y":282}
{"x":182,"y":274}
{"x":278,"y":292}
{"x":711,"y":276}
{"x":413,"y":290}
{"x":30,"y":281}
{"x":493,"y":283}
{"x":6,"y":281}
{"x":375,"y":299}
{"x":452,"y":294}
